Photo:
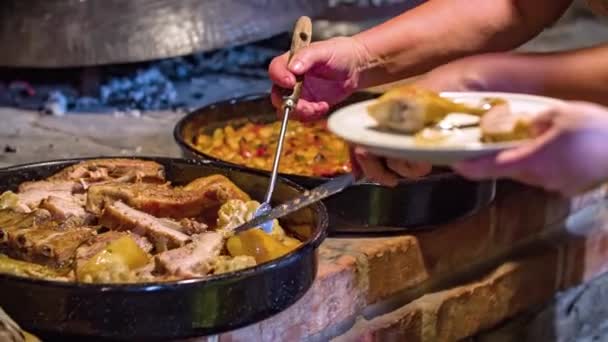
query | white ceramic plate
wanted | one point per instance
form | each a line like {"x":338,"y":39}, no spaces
{"x":353,"y":124}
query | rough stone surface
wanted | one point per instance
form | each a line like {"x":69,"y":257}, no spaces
{"x":515,"y":287}
{"x":387,"y":265}
{"x":38,"y":137}
{"x":457,"y":313}
{"x":334,"y":297}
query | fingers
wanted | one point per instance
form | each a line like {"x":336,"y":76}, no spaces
{"x":519,"y":154}
{"x":280,"y":74}
{"x":356,"y":168}
{"x":408,"y":169}
{"x":305,"y":110}
{"x":516,"y":163}
{"x":309,"y":56}
{"x":276,"y":97}
{"x":543,"y":121}
{"x":374,"y":169}
{"x":389,"y":173}
{"x":283,"y":74}
{"x":478,"y":169}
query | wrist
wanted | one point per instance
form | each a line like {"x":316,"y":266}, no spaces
{"x":368,"y":64}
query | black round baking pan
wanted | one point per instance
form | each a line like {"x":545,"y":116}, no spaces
{"x":170,"y":310}
{"x":369,"y":208}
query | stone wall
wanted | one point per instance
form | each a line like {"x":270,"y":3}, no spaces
{"x":453,"y":282}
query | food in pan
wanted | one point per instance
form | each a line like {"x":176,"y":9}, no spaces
{"x":309,"y":148}
{"x":412,"y":110}
{"x":120,"y":221}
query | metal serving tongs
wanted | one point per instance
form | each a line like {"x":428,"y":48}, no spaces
{"x":301,"y":37}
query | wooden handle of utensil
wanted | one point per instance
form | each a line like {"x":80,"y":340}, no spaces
{"x":302,"y":35}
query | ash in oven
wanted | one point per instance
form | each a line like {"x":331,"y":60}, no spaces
{"x":179,"y":83}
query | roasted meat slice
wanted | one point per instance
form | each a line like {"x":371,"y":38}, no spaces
{"x":34,"y":237}
{"x":47,"y":244}
{"x":68,"y":186}
{"x":62,"y":208}
{"x":502,"y":124}
{"x":201,"y":198}
{"x":408,"y":109}
{"x":31,"y":194}
{"x":192,"y":260}
{"x":11,"y":220}
{"x":103,"y":170}
{"x":190,"y":227}
{"x":164,"y":234}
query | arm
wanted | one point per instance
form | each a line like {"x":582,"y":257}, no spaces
{"x":573,"y":75}
{"x":580,"y":75}
{"x":442,"y":30}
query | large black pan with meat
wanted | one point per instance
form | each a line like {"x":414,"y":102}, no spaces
{"x":440,"y":197}
{"x":169,"y":309}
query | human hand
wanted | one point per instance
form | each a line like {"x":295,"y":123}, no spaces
{"x":331,"y":70}
{"x":568,"y":156}
{"x":385,"y":171}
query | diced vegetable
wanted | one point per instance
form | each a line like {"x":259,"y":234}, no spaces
{"x":306,"y":144}
{"x":113,"y":263}
{"x":9,"y":200}
{"x":256,"y":243}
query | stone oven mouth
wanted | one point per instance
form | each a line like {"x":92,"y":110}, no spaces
{"x":177,"y":83}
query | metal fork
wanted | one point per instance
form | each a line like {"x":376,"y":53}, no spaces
{"x":301,"y":38}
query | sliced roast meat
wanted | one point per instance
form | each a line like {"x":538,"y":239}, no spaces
{"x":52,"y":186}
{"x":62,"y":208}
{"x":192,"y":260}
{"x":47,"y":244}
{"x":31,"y":194}
{"x":501,"y":124}
{"x":143,"y":242}
{"x":200,"y":198}
{"x":163,"y":234}
{"x":103,"y":170}
{"x":34,"y":237}
{"x":11,"y":221}
{"x":30,"y":200}
{"x":190,"y":227}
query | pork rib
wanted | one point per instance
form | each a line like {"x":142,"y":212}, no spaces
{"x":101,"y":170}
{"x":200,"y":198}
{"x":192,"y":260}
{"x":62,"y":208}
{"x":31,"y":194}
{"x":163,"y":234}
{"x":11,"y":221}
{"x":47,"y":244}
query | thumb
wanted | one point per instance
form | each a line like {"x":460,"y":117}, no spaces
{"x":543,"y":121}
{"x":306,"y":58}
